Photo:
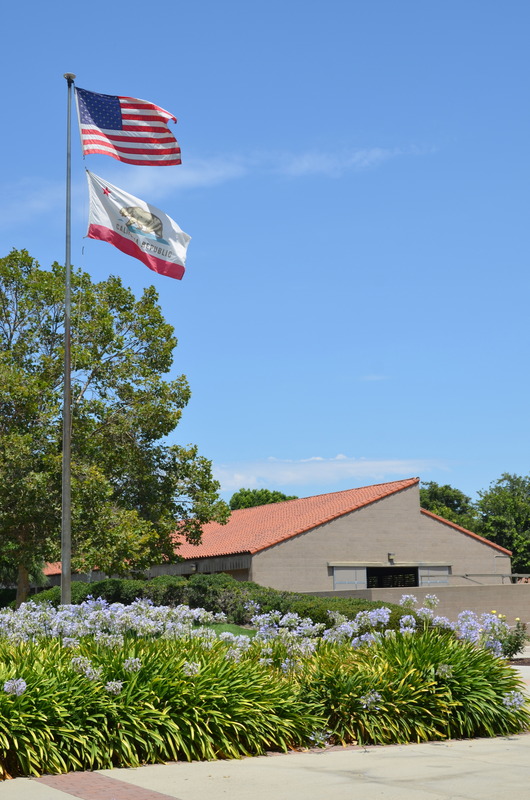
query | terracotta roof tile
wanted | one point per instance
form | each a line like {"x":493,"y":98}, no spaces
{"x":250,"y":530}
{"x":53,"y":568}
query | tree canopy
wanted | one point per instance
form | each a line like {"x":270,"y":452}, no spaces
{"x":247,"y":498}
{"x":130,"y":489}
{"x":501,"y":513}
{"x":504,"y":517}
{"x":449,"y":503}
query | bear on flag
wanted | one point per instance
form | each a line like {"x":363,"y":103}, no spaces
{"x":136,"y":228}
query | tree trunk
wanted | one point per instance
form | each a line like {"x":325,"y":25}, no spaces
{"x":22,"y":585}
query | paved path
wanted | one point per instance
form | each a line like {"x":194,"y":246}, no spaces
{"x":478,"y":769}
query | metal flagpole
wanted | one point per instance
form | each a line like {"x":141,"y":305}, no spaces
{"x":66,"y":516}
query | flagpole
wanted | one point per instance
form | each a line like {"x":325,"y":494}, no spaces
{"x":66,"y":515}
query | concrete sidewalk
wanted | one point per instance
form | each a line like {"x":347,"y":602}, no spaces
{"x":473,"y":769}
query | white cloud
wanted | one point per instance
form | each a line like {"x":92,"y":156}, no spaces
{"x":157,"y":182}
{"x":334,"y":164}
{"x":34,"y":197}
{"x":275,"y":473}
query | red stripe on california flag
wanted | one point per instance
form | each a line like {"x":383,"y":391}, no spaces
{"x":128,"y":247}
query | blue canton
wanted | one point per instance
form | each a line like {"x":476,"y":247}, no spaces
{"x":102,"y":110}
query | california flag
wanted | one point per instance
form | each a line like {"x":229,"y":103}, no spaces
{"x":136,"y":228}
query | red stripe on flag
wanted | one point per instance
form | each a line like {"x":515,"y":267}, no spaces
{"x":93,"y":136}
{"x":128,"y":247}
{"x":162,"y":129}
{"x":141,"y":117}
{"x":151,"y":161}
{"x":155,"y":149}
{"x":131,"y":102}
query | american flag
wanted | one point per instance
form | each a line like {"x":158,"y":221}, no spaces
{"x":130,"y":130}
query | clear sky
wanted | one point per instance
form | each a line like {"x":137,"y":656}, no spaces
{"x":355,"y":180}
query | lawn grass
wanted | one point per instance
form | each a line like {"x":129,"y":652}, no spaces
{"x":226,"y":627}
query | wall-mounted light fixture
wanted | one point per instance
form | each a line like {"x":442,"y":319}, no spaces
{"x":391,"y":557}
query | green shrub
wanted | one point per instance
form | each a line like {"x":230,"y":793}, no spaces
{"x":167,"y":590}
{"x":123,"y":700}
{"x":514,"y":639}
{"x":66,"y":721}
{"x":413,"y":688}
{"x":219,"y":593}
{"x":80,"y":591}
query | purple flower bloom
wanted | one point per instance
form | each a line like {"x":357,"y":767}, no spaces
{"x":370,"y":700}
{"x":408,"y":600}
{"x":190,"y":668}
{"x":407,"y":623}
{"x":132,"y":665}
{"x":513,"y":700}
{"x":114,"y":687}
{"x":15,"y":686}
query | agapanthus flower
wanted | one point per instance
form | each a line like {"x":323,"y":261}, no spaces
{"x":111,"y":640}
{"x":320,"y":738}
{"x":233,"y":654}
{"x":70,"y":641}
{"x":444,"y":671}
{"x":442,"y":622}
{"x":289,"y":665}
{"x":190,"y":668}
{"x":365,"y":639}
{"x":81,"y":663}
{"x":114,"y":687}
{"x":407,"y":623}
{"x":408,"y":600}
{"x":431,"y":601}
{"x":93,"y":673}
{"x":132,"y":665}
{"x":15,"y":686}
{"x":370,"y":700}
{"x":425,"y":613}
{"x":494,"y":646}
{"x":513,"y":700}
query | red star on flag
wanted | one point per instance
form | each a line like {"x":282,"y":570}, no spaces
{"x":106,"y":191}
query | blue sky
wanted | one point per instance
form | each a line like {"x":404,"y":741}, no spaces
{"x":355,"y":181}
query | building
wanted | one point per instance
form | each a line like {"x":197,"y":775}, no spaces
{"x":371,"y":538}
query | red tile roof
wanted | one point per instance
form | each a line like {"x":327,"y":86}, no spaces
{"x":53,"y":568}
{"x":250,"y":530}
{"x":464,"y":530}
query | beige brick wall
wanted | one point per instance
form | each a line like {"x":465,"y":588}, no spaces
{"x":510,"y":599}
{"x":394,"y":524}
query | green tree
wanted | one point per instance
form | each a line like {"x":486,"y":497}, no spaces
{"x":247,"y":498}
{"x":449,"y":503}
{"x":504,"y":514}
{"x":130,"y":489}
